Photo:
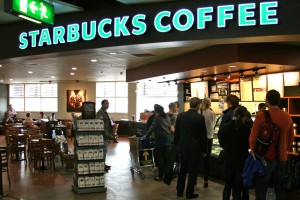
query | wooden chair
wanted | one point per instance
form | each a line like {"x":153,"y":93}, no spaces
{"x":4,"y":154}
{"x":33,"y":147}
{"x":47,"y":153}
{"x":18,"y":146}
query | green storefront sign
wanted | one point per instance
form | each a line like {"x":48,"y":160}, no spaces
{"x":33,"y":10}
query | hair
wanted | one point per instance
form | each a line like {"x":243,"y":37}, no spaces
{"x":273,"y":97}
{"x":261,"y":105}
{"x":27,"y":114}
{"x":103,"y":101}
{"x":172,"y":105}
{"x":239,"y":113}
{"x":160,"y":110}
{"x":233,"y":100}
{"x":206,"y":102}
{"x":194,"y":102}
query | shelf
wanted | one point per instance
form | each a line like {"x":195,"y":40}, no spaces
{"x":292,"y":153}
{"x":297,"y":136}
{"x":88,"y":190}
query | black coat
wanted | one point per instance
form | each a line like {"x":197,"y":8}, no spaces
{"x":190,"y":133}
{"x":236,"y":142}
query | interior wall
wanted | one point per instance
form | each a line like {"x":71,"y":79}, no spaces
{"x":3,"y":99}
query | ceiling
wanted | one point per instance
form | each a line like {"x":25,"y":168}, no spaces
{"x":108,"y":66}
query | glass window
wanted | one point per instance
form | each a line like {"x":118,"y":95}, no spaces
{"x":34,"y":97}
{"x":116,"y":93}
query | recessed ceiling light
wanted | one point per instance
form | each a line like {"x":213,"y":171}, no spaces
{"x":72,"y":73}
{"x":232,"y":66}
{"x":30,"y":72}
{"x":0,"y":65}
{"x":74,"y":68}
{"x":1,"y":81}
{"x":93,"y":60}
{"x":113,"y":53}
{"x":52,"y":76}
{"x":11,"y":79}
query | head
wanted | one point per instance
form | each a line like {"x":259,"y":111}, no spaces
{"x":105,"y":104}
{"x":206,"y":103}
{"x":41,"y":114}
{"x":232,"y":100}
{"x":159,"y":110}
{"x":172,"y":107}
{"x":239,"y":115}
{"x":6,"y":114}
{"x":272,"y":98}
{"x":74,"y":115}
{"x":195,"y":103}
{"x":10,"y":106}
{"x":261,"y":107}
{"x":27,"y":114}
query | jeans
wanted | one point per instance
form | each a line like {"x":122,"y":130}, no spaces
{"x":206,"y":159}
{"x":275,"y":173}
{"x":105,"y":148}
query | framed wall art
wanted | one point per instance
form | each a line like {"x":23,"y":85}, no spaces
{"x":75,"y":98}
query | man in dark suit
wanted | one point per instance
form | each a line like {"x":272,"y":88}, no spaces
{"x":191,"y":138}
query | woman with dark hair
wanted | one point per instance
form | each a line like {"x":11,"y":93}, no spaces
{"x":236,"y":146}
{"x":161,"y":129}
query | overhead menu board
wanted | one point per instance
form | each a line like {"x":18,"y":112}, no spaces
{"x":246,"y":89}
{"x":259,"y":88}
{"x":223,"y":88}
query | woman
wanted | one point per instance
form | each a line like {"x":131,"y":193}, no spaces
{"x":236,"y":145}
{"x":210,"y":121}
{"x":28,"y":121}
{"x":161,"y":128}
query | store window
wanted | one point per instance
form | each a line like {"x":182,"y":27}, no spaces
{"x":116,"y":93}
{"x":33,"y":97}
{"x":149,"y":94}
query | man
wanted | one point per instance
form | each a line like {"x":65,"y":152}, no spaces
{"x":191,"y":138}
{"x":108,"y":130}
{"x":275,"y":169}
{"x":232,"y":102}
{"x":11,"y":111}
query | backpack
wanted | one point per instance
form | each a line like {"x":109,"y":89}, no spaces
{"x":266,"y":146}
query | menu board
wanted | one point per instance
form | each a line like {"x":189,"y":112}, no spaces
{"x":246,"y":89}
{"x":259,"y":88}
{"x":223,"y":88}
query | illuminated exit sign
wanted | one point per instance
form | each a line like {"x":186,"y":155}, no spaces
{"x":37,"y":11}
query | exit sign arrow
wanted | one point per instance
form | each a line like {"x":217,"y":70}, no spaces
{"x":33,"y":7}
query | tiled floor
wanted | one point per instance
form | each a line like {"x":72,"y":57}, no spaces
{"x":30,"y":184}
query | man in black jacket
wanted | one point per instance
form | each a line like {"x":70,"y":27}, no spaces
{"x":191,"y":138}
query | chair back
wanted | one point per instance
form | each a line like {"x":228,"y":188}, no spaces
{"x":47,"y":145}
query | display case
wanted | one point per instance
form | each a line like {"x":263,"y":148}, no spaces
{"x":89,"y":166}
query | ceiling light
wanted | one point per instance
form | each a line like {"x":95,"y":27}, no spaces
{"x":215,"y":78}
{"x":228,"y":76}
{"x":52,"y":77}
{"x":232,"y":66}
{"x":30,"y":72}
{"x":1,"y":81}
{"x":74,"y":68}
{"x":256,"y":73}
{"x":93,"y":60}
{"x":11,"y":79}
{"x":112,"y":53}
{"x":0,"y":65}
{"x":72,"y":73}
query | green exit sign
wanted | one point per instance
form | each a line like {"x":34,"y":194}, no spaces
{"x":37,"y":11}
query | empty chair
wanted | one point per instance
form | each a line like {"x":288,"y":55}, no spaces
{"x":33,"y":147}
{"x":47,"y":153}
{"x":18,"y":147}
{"x":4,"y":154}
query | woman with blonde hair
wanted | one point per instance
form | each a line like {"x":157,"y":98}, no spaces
{"x":210,"y":121}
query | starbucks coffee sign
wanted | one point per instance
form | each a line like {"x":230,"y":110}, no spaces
{"x":182,"y":20}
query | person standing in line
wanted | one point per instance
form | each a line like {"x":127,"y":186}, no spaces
{"x":191,"y":138}
{"x":275,"y":169}
{"x":108,"y":127}
{"x":236,"y":145}
{"x":161,"y":129}
{"x":210,"y":122}
{"x":232,"y":102}
{"x":261,"y":108}
{"x":177,"y":107}
{"x":11,"y":111}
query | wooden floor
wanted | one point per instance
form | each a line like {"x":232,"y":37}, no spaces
{"x":30,"y":184}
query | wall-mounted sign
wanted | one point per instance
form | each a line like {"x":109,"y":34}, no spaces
{"x":37,"y":11}
{"x":201,"y":18}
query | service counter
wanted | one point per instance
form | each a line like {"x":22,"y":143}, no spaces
{"x":131,"y":128}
